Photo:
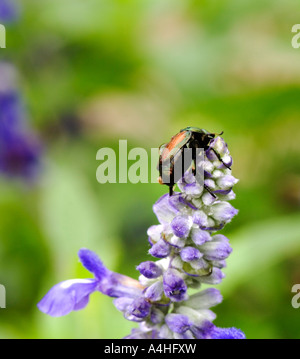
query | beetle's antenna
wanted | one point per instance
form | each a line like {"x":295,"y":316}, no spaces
{"x":220,"y":134}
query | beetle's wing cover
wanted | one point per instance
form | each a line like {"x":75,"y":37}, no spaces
{"x":170,"y":150}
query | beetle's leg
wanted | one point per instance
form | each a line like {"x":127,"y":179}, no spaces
{"x":194,"y":169}
{"x":171,"y":190}
{"x":209,"y":191}
{"x":219,"y":158}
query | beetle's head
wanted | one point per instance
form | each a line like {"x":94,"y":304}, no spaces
{"x":210,"y":136}
{"x":213,"y":135}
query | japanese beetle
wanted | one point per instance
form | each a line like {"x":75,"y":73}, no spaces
{"x":173,"y":152}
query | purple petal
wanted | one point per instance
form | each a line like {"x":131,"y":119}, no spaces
{"x":67,"y":296}
{"x":227,"y":182}
{"x":165,"y":332}
{"x":178,"y":323}
{"x":122,"y":303}
{"x":181,"y":226}
{"x":227,"y":333}
{"x":154,"y":232}
{"x":208,"y":199}
{"x":140,"y":308}
{"x":92,"y":263}
{"x":82,"y":304}
{"x":211,"y":155}
{"x":220,"y":238}
{"x":205,"y":299}
{"x":20,"y":150}
{"x":227,"y":162}
{"x":199,"y":236}
{"x":203,"y":331}
{"x":161,"y":249}
{"x":200,"y":218}
{"x":189,"y":254}
{"x":118,"y":285}
{"x":163,"y":209}
{"x":216,"y":250}
{"x":149,"y":269}
{"x":190,"y":186}
{"x":8,"y":11}
{"x":220,"y":146}
{"x":156,"y":315}
{"x":222,"y":192}
{"x":219,"y":264}
{"x":174,"y":286}
{"x":155,"y":292}
{"x":223,"y":211}
{"x":186,"y":202}
{"x":214,"y":278}
{"x":166,"y":208}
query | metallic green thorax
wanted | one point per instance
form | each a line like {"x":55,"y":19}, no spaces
{"x":195,"y":129}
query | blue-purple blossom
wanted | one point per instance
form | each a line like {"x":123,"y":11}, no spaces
{"x":181,"y":226}
{"x":160,"y":249}
{"x":74,"y":294}
{"x":178,"y":323}
{"x":20,"y":151}
{"x":149,"y":269}
{"x":154,"y":292}
{"x":68,"y":296}
{"x":175,"y":287}
{"x":226,"y":333}
{"x":190,"y":253}
{"x":8,"y":11}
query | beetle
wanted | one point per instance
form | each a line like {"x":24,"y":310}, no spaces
{"x":173,"y":152}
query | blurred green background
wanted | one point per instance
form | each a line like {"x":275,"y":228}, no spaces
{"x":96,"y":71}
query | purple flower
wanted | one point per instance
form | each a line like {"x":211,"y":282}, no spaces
{"x":161,"y":249}
{"x":178,"y":323}
{"x":20,"y":151}
{"x":226,"y":333}
{"x":189,"y":252}
{"x":200,"y":329}
{"x":205,"y":299}
{"x":140,"y":308}
{"x":181,"y":226}
{"x":223,"y":211}
{"x":174,"y":286}
{"x":215,"y":277}
{"x":67,"y":296}
{"x":149,"y":269}
{"x":74,"y":294}
{"x":154,"y":292}
{"x":200,"y":236}
{"x":8,"y":11}
{"x":217,"y":249}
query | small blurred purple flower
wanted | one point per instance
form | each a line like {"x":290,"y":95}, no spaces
{"x":20,"y":151}
{"x":8,"y":11}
